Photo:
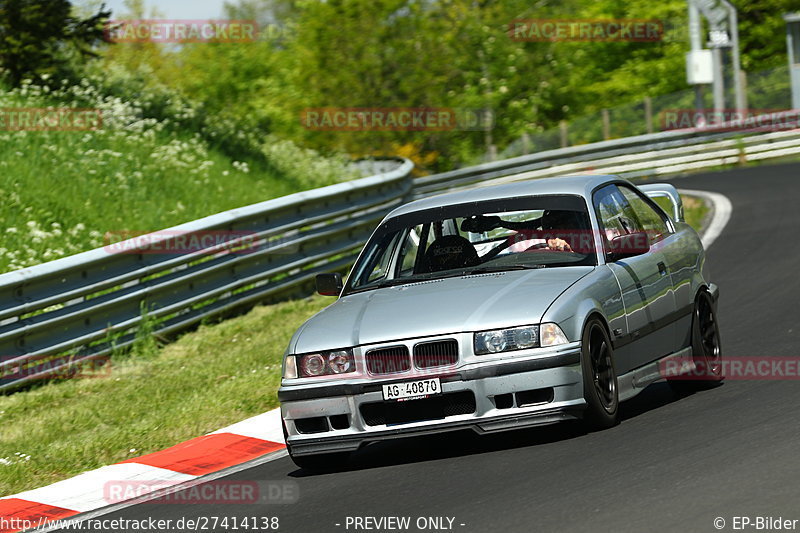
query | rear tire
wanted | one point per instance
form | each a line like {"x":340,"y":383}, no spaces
{"x":706,"y":349}
{"x":600,"y":388}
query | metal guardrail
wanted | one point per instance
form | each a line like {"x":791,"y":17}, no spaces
{"x":57,"y":315}
{"x":644,"y":155}
{"x":654,"y":163}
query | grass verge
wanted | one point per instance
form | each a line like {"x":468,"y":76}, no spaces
{"x":150,"y":399}
{"x":155,"y":398}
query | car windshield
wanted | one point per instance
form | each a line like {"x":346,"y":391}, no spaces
{"x":490,"y":236}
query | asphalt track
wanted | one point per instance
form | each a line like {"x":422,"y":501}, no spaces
{"x":673,"y":464}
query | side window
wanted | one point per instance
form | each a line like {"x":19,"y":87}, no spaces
{"x":408,"y":253}
{"x":410,"y":249}
{"x":651,"y":221}
{"x":616,"y":215}
{"x":377,"y":266}
{"x":381,"y":267}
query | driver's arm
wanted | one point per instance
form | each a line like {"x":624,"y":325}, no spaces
{"x":559,"y":245}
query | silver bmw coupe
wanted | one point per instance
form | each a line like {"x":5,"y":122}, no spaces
{"x":503,"y":307}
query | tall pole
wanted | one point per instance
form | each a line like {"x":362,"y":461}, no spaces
{"x":793,"y":47}
{"x":719,"y":81}
{"x":738,"y":86}
{"x":695,"y":30}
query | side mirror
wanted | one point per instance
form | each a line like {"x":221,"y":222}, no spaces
{"x":329,"y":284}
{"x":629,"y":245}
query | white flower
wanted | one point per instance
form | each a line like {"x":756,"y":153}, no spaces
{"x":241,"y":166}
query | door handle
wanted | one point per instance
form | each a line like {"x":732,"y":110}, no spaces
{"x":662,"y":268}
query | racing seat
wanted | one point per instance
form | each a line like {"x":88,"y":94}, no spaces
{"x":450,"y":252}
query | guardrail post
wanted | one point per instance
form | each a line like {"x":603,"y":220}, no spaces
{"x":742,"y":151}
{"x":743,"y":82}
{"x":606,"y":125}
{"x":648,"y":113}
{"x":562,"y":127}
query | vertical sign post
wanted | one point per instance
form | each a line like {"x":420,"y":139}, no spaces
{"x":793,"y":47}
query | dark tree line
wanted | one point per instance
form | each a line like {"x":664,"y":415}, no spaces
{"x":37,"y":37}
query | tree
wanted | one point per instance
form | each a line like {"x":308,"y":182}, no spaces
{"x":37,"y":36}
{"x":454,"y":54}
{"x":143,"y":57}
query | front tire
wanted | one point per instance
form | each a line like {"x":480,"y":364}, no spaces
{"x":600,"y":388}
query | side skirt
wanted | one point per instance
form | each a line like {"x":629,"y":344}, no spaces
{"x":633,"y":382}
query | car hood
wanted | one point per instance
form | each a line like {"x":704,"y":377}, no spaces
{"x":436,"y":307}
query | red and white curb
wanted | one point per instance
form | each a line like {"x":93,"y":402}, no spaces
{"x":195,"y":458}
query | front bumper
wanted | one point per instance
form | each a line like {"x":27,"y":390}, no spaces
{"x":494,"y":396}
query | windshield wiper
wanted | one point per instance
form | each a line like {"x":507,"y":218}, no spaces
{"x":429,"y":277}
{"x":501,"y":268}
{"x":402,"y":281}
{"x":446,"y":274}
{"x":393,"y":282}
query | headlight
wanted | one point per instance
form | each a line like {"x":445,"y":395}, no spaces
{"x":312,"y":365}
{"x":319,"y":364}
{"x":505,"y":340}
{"x":552,"y":335}
{"x":340,"y":362}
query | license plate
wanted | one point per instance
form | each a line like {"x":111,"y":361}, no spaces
{"x":412,"y":389}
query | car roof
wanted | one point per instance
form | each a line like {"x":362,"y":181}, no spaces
{"x":575,"y":185}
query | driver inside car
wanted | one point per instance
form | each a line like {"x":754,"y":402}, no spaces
{"x":562,"y":225}
{"x":559,"y":231}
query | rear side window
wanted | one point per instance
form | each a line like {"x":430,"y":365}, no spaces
{"x":650,"y":220}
